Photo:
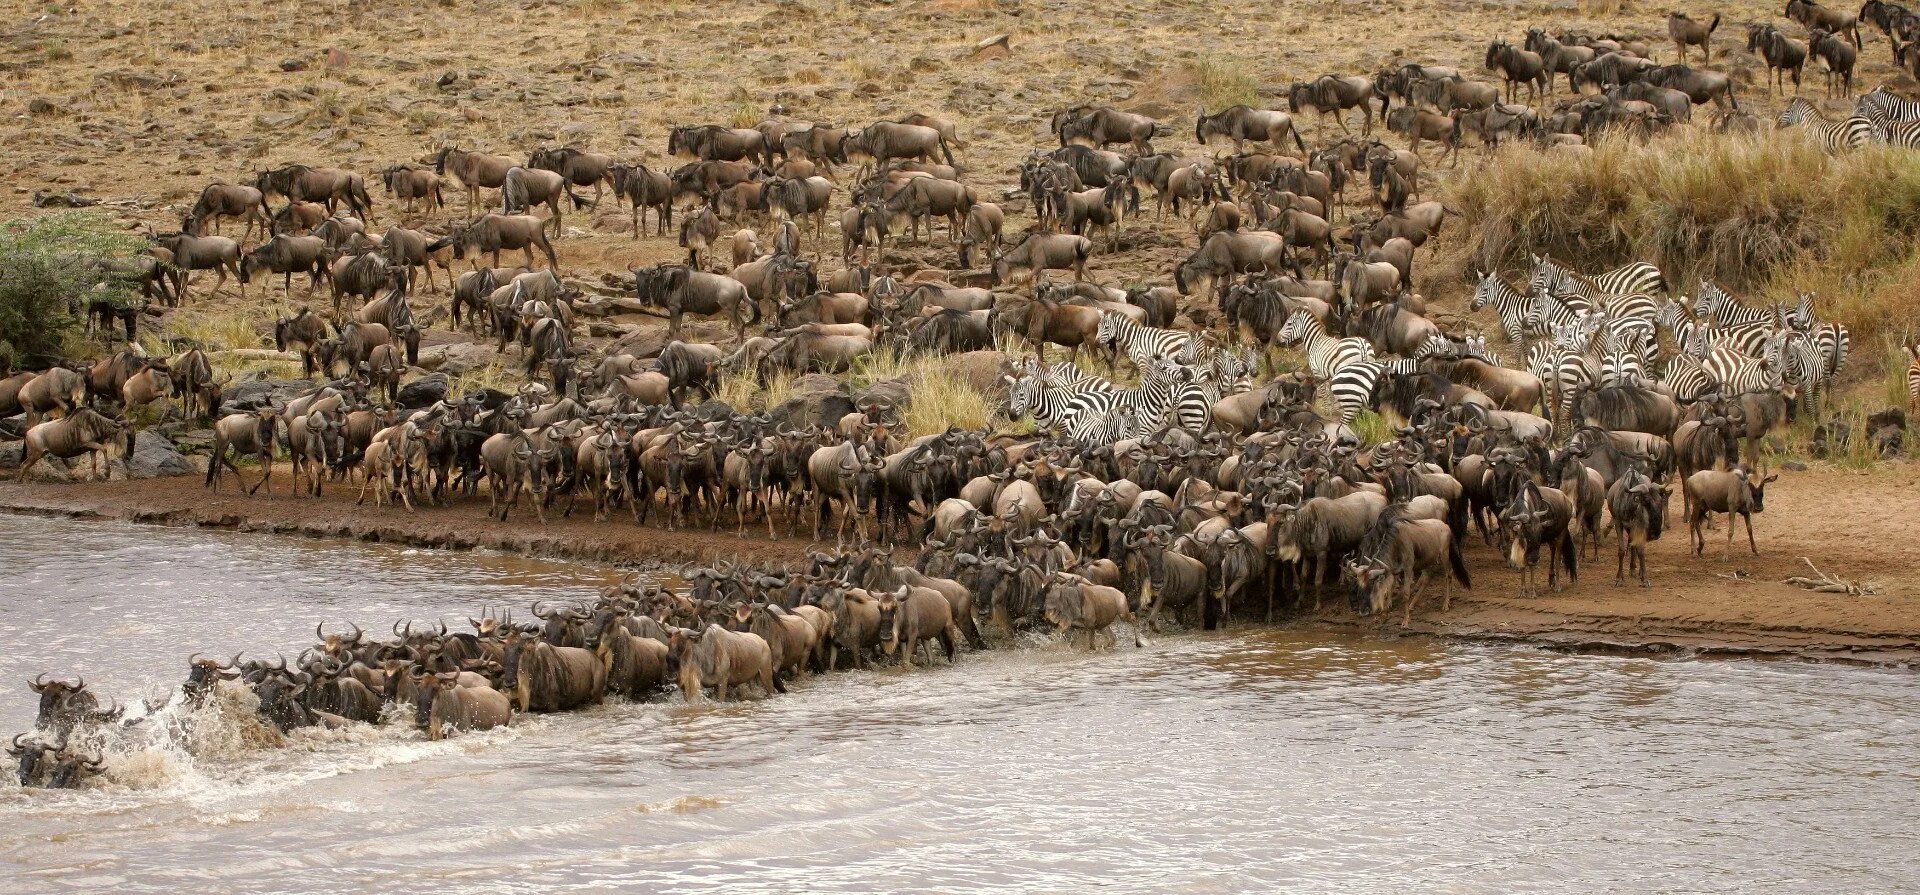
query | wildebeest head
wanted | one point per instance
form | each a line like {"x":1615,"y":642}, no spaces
{"x":35,"y":758}
{"x":62,"y":704}
{"x":280,"y":703}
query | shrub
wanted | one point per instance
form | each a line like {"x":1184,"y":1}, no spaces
{"x":49,"y":265}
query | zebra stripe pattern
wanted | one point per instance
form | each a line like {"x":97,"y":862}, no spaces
{"x":1738,"y":373}
{"x":1913,"y":378}
{"x":1685,"y":379}
{"x":1325,"y":354}
{"x":1141,"y":343}
{"x":1852,"y":133}
{"x":1883,"y":108}
{"x":1638,"y":277}
{"x":1799,"y":363}
{"x":1717,"y":305}
{"x":1514,"y":309}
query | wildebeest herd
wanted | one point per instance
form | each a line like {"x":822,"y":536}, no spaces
{"x":1203,"y":483}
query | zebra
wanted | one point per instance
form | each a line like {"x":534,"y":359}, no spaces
{"x":1883,"y":108}
{"x":1066,"y":374}
{"x":1218,"y":370}
{"x":1904,"y":134}
{"x":1167,"y":397}
{"x":1638,"y":277}
{"x":1356,"y":386}
{"x":1050,"y":405}
{"x":1572,"y":362}
{"x":1686,"y":379}
{"x":1749,"y":339}
{"x":1717,"y":305}
{"x":1832,"y":339}
{"x":1325,"y":354}
{"x":1799,"y":363}
{"x":1141,"y":342}
{"x":1514,"y":308}
{"x":1852,"y":133}
{"x":1737,"y":373}
{"x":1913,"y":378}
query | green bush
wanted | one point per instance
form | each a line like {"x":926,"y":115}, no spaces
{"x":49,"y":266}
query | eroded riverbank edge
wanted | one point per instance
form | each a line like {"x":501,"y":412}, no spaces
{"x":1697,"y":608}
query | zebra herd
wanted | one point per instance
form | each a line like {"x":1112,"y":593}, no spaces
{"x":1878,"y":117}
{"x":1182,"y":374}
{"x":1577,"y":332}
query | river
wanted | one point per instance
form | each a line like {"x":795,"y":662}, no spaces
{"x":1259,"y":760}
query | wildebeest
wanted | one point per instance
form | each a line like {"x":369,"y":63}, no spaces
{"x":442,"y":705}
{"x":82,"y":431}
{"x":306,"y":184}
{"x":1335,"y":94}
{"x":914,"y":616}
{"x":644,"y":188}
{"x":191,"y":253}
{"x":227,"y":200}
{"x":1104,"y":125}
{"x":409,"y":184}
{"x":493,"y":232}
{"x":545,"y":678}
{"x":723,"y":660}
{"x":1736,"y":492}
{"x":474,"y":170}
{"x":288,"y":255}
{"x":1241,"y":123}
{"x":1685,"y":32}
{"x":876,"y":143}
{"x":1541,"y":518}
{"x":1041,"y":252}
{"x":579,"y":167}
{"x":246,"y":433}
{"x":681,"y":290}
{"x":1075,"y":604}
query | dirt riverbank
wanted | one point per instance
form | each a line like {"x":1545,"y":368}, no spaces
{"x":1858,"y":525}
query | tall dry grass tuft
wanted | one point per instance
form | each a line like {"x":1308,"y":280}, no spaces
{"x":1224,"y":83}
{"x":1764,"y":215}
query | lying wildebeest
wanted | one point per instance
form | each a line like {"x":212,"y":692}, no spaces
{"x":723,"y":660}
{"x":493,"y":232}
{"x":80,"y":432}
{"x":305,"y":184}
{"x":227,"y":200}
{"x":682,"y":290}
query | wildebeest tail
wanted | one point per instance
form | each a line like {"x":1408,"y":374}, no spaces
{"x":1570,"y":555}
{"x":579,"y":201}
{"x":513,"y":192}
{"x":1458,"y":562}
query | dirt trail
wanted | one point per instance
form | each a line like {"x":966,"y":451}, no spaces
{"x":1737,"y":606}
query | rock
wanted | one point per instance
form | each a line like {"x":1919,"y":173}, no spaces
{"x":11,"y":453}
{"x":1794,"y":466}
{"x":815,"y":398}
{"x":981,"y":370}
{"x":254,"y":394}
{"x":456,"y":358}
{"x":293,"y":65}
{"x":41,"y":106}
{"x":423,"y":391}
{"x":887,"y":391}
{"x":154,"y":456}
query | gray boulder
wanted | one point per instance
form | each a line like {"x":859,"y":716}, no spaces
{"x":154,"y":456}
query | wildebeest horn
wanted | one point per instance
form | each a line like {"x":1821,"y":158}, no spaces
{"x":39,"y":682}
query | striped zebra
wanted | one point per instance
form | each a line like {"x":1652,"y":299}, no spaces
{"x":1852,"y":133}
{"x":1686,"y":379}
{"x":1572,"y":363}
{"x":1356,"y":386}
{"x":1618,"y":334}
{"x":1883,"y":108}
{"x":1716,"y":305}
{"x":1833,"y":340}
{"x":1218,"y":370}
{"x":1118,"y":331}
{"x":1639,"y":278}
{"x":1904,"y":134}
{"x":1799,"y":363}
{"x":1325,"y":354}
{"x":1913,"y":378}
{"x":1036,"y":396}
{"x":1736,"y":373}
{"x":1749,"y":339}
{"x":1513,"y":307}
{"x":1167,"y":398}
{"x":1068,"y":375}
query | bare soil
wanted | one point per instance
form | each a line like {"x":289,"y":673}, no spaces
{"x":1737,"y":605}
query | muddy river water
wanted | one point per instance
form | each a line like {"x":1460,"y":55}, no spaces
{"x":1251,"y":761}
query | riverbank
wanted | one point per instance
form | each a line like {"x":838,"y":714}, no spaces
{"x":1860,"y":526}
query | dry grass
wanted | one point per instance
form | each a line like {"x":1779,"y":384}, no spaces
{"x":1224,"y":83}
{"x":939,"y":396}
